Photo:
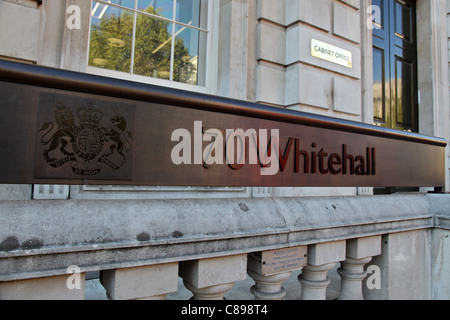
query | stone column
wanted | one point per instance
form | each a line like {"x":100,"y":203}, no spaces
{"x":210,"y":279}
{"x":322,"y":257}
{"x":75,"y":42}
{"x":352,"y":274}
{"x":359,"y":253}
{"x":233,"y":49}
{"x":269,"y":287}
{"x":314,"y":281}
{"x":140,"y":283}
{"x":271,"y":268}
{"x":403,"y":269}
{"x":215,"y":292}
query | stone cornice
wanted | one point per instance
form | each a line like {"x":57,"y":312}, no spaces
{"x":43,"y":238}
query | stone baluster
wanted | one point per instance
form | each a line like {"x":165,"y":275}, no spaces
{"x":359,"y":252}
{"x":140,"y":283}
{"x":322,"y":257}
{"x":215,"y":292}
{"x":314,"y":281}
{"x":271,"y":268}
{"x":210,"y":279}
{"x":269,"y":287}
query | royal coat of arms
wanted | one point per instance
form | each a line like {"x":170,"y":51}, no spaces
{"x":87,"y":139}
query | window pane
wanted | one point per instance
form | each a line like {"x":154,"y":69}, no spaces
{"x":124,"y":3}
{"x":162,"y":8}
{"x":404,"y":86}
{"x":379,"y":100}
{"x":153,"y":47}
{"x":188,"y":12}
{"x":111,"y":38}
{"x":127,"y":39}
{"x":98,"y":9}
{"x":186,"y":55}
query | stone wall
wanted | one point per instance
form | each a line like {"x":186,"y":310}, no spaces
{"x":288,"y":75}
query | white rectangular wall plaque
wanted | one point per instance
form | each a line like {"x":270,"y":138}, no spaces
{"x":331,"y":53}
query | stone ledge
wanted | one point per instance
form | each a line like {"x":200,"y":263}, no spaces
{"x":43,"y":238}
{"x":442,"y":222}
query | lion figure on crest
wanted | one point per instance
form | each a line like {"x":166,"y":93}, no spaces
{"x":65,"y":124}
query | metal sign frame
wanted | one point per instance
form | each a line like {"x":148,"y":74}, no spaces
{"x":63,"y":127}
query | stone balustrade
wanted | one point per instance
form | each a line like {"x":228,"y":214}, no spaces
{"x":207,"y":279}
{"x":267,"y":242}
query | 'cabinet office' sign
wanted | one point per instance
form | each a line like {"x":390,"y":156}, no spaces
{"x":331,"y":53}
{"x":61,"y":127}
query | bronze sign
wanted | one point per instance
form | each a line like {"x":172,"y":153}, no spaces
{"x":71,"y":128}
{"x":277,"y":261}
{"x":83,"y":138}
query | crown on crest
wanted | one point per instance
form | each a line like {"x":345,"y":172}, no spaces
{"x":89,"y":115}
{"x":61,"y":109}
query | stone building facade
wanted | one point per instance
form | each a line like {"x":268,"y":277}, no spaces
{"x":141,"y":239}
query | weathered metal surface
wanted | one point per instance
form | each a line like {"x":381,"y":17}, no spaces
{"x":282,"y":260}
{"x":72,"y":128}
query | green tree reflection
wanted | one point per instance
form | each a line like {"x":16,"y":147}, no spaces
{"x":112,"y":39}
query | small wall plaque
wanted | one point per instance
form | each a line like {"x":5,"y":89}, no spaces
{"x":278,"y":261}
{"x":331,"y":53}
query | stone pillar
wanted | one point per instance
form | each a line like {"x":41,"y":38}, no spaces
{"x":270,"y":269}
{"x":359,"y":253}
{"x":48,"y":288}
{"x":314,"y":281}
{"x":352,"y":274}
{"x":75,"y":42}
{"x":140,"y":283}
{"x":233,"y":49}
{"x":403,"y":269}
{"x":215,"y":292}
{"x":322,"y":257}
{"x":210,"y":279}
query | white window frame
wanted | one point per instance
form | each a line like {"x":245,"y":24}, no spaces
{"x":211,"y":57}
